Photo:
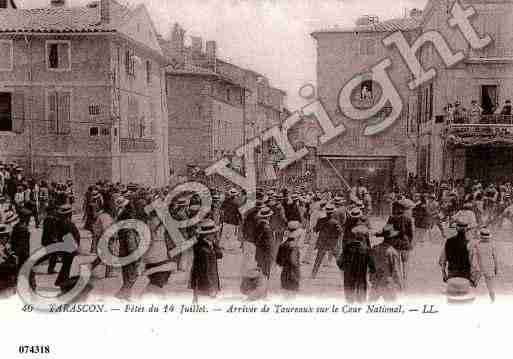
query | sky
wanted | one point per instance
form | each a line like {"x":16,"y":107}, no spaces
{"x":271,"y":37}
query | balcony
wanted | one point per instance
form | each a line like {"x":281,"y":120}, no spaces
{"x":495,"y":130}
{"x":137,"y":145}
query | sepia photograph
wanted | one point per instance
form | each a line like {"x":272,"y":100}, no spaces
{"x":252,"y":160}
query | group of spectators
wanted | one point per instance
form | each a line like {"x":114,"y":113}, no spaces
{"x":475,"y":114}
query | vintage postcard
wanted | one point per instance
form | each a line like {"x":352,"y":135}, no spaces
{"x":306,"y":169}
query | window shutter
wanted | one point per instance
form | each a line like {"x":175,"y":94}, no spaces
{"x":5,"y":55}
{"x":18,"y":106}
{"x":64,"y":113}
{"x":52,"y":112}
{"x":63,"y":52}
{"x":153,"y":119}
{"x":127,"y":61}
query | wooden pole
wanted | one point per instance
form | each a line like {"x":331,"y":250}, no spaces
{"x":338,"y":174}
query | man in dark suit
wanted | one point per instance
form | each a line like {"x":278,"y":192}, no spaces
{"x":330,"y":231}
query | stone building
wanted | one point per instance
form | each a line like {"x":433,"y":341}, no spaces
{"x":472,"y":146}
{"x":342,"y":54}
{"x":215,"y":106}
{"x":82,"y":93}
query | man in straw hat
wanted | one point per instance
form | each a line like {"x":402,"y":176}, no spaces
{"x":356,"y":262}
{"x":204,"y":279}
{"x":264,"y":241}
{"x":329,"y":231}
{"x":66,"y":229}
{"x":387,"y":279}
{"x":403,"y":223}
{"x":230,"y":219}
{"x":458,"y":257}
{"x":289,"y":259}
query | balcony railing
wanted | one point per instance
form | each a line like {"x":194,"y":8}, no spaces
{"x":137,"y":145}
{"x":480,"y":119}
{"x":489,"y":130}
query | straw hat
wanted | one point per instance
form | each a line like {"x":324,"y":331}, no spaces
{"x":207,"y":226}
{"x":459,"y":291}
{"x":485,"y":233}
{"x":360,"y":230}
{"x":329,"y":208}
{"x":120,"y":202}
{"x":388,"y":232}
{"x":264,"y":212}
{"x":295,"y":234}
{"x":11,"y":218}
{"x":406,"y":203}
{"x":339,"y":200}
{"x":64,"y":209}
{"x":356,"y":212}
{"x":4,"y":229}
{"x":233,"y":192}
{"x":293,"y":225}
{"x":463,"y":220}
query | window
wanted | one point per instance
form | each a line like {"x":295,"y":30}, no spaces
{"x":58,"y":55}
{"x":228,"y":95}
{"x":58,"y":112}
{"x":93,"y":131}
{"x":3,"y":4}
{"x":105,"y":131}
{"x":366,"y":90}
{"x":367,"y":47}
{"x":136,"y":125}
{"x":148,"y":72}
{"x":130,"y":62}
{"x":12,"y":112}
{"x":6,"y":55}
{"x":94,"y":110}
{"x":5,"y":112}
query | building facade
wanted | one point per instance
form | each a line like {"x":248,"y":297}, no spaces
{"x":385,"y":158}
{"x":215,"y":107}
{"x":468,"y":145}
{"x":81,"y":94}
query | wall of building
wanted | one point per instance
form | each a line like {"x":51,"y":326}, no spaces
{"x":55,"y":156}
{"x":339,"y":59}
{"x":136,"y":165}
{"x":189,"y":121}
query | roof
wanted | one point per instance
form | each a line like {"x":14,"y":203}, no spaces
{"x":392,"y":25}
{"x":64,"y":19}
{"x":52,"y":19}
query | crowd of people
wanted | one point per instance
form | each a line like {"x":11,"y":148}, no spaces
{"x":287,"y":229}
{"x":475,"y":114}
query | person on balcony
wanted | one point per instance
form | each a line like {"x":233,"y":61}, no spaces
{"x":457,"y":113}
{"x":506,"y":109}
{"x":475,"y":112}
{"x":450,"y":113}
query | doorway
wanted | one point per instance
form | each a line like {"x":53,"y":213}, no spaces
{"x":489,"y":98}
{"x":489,"y":164}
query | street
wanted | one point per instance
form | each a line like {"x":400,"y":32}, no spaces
{"x":424,"y":274}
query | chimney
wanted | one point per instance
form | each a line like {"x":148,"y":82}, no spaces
{"x":57,"y":3}
{"x":177,"y":39}
{"x":196,"y":45}
{"x":416,"y":13}
{"x":210,"y":50}
{"x":105,"y":11}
